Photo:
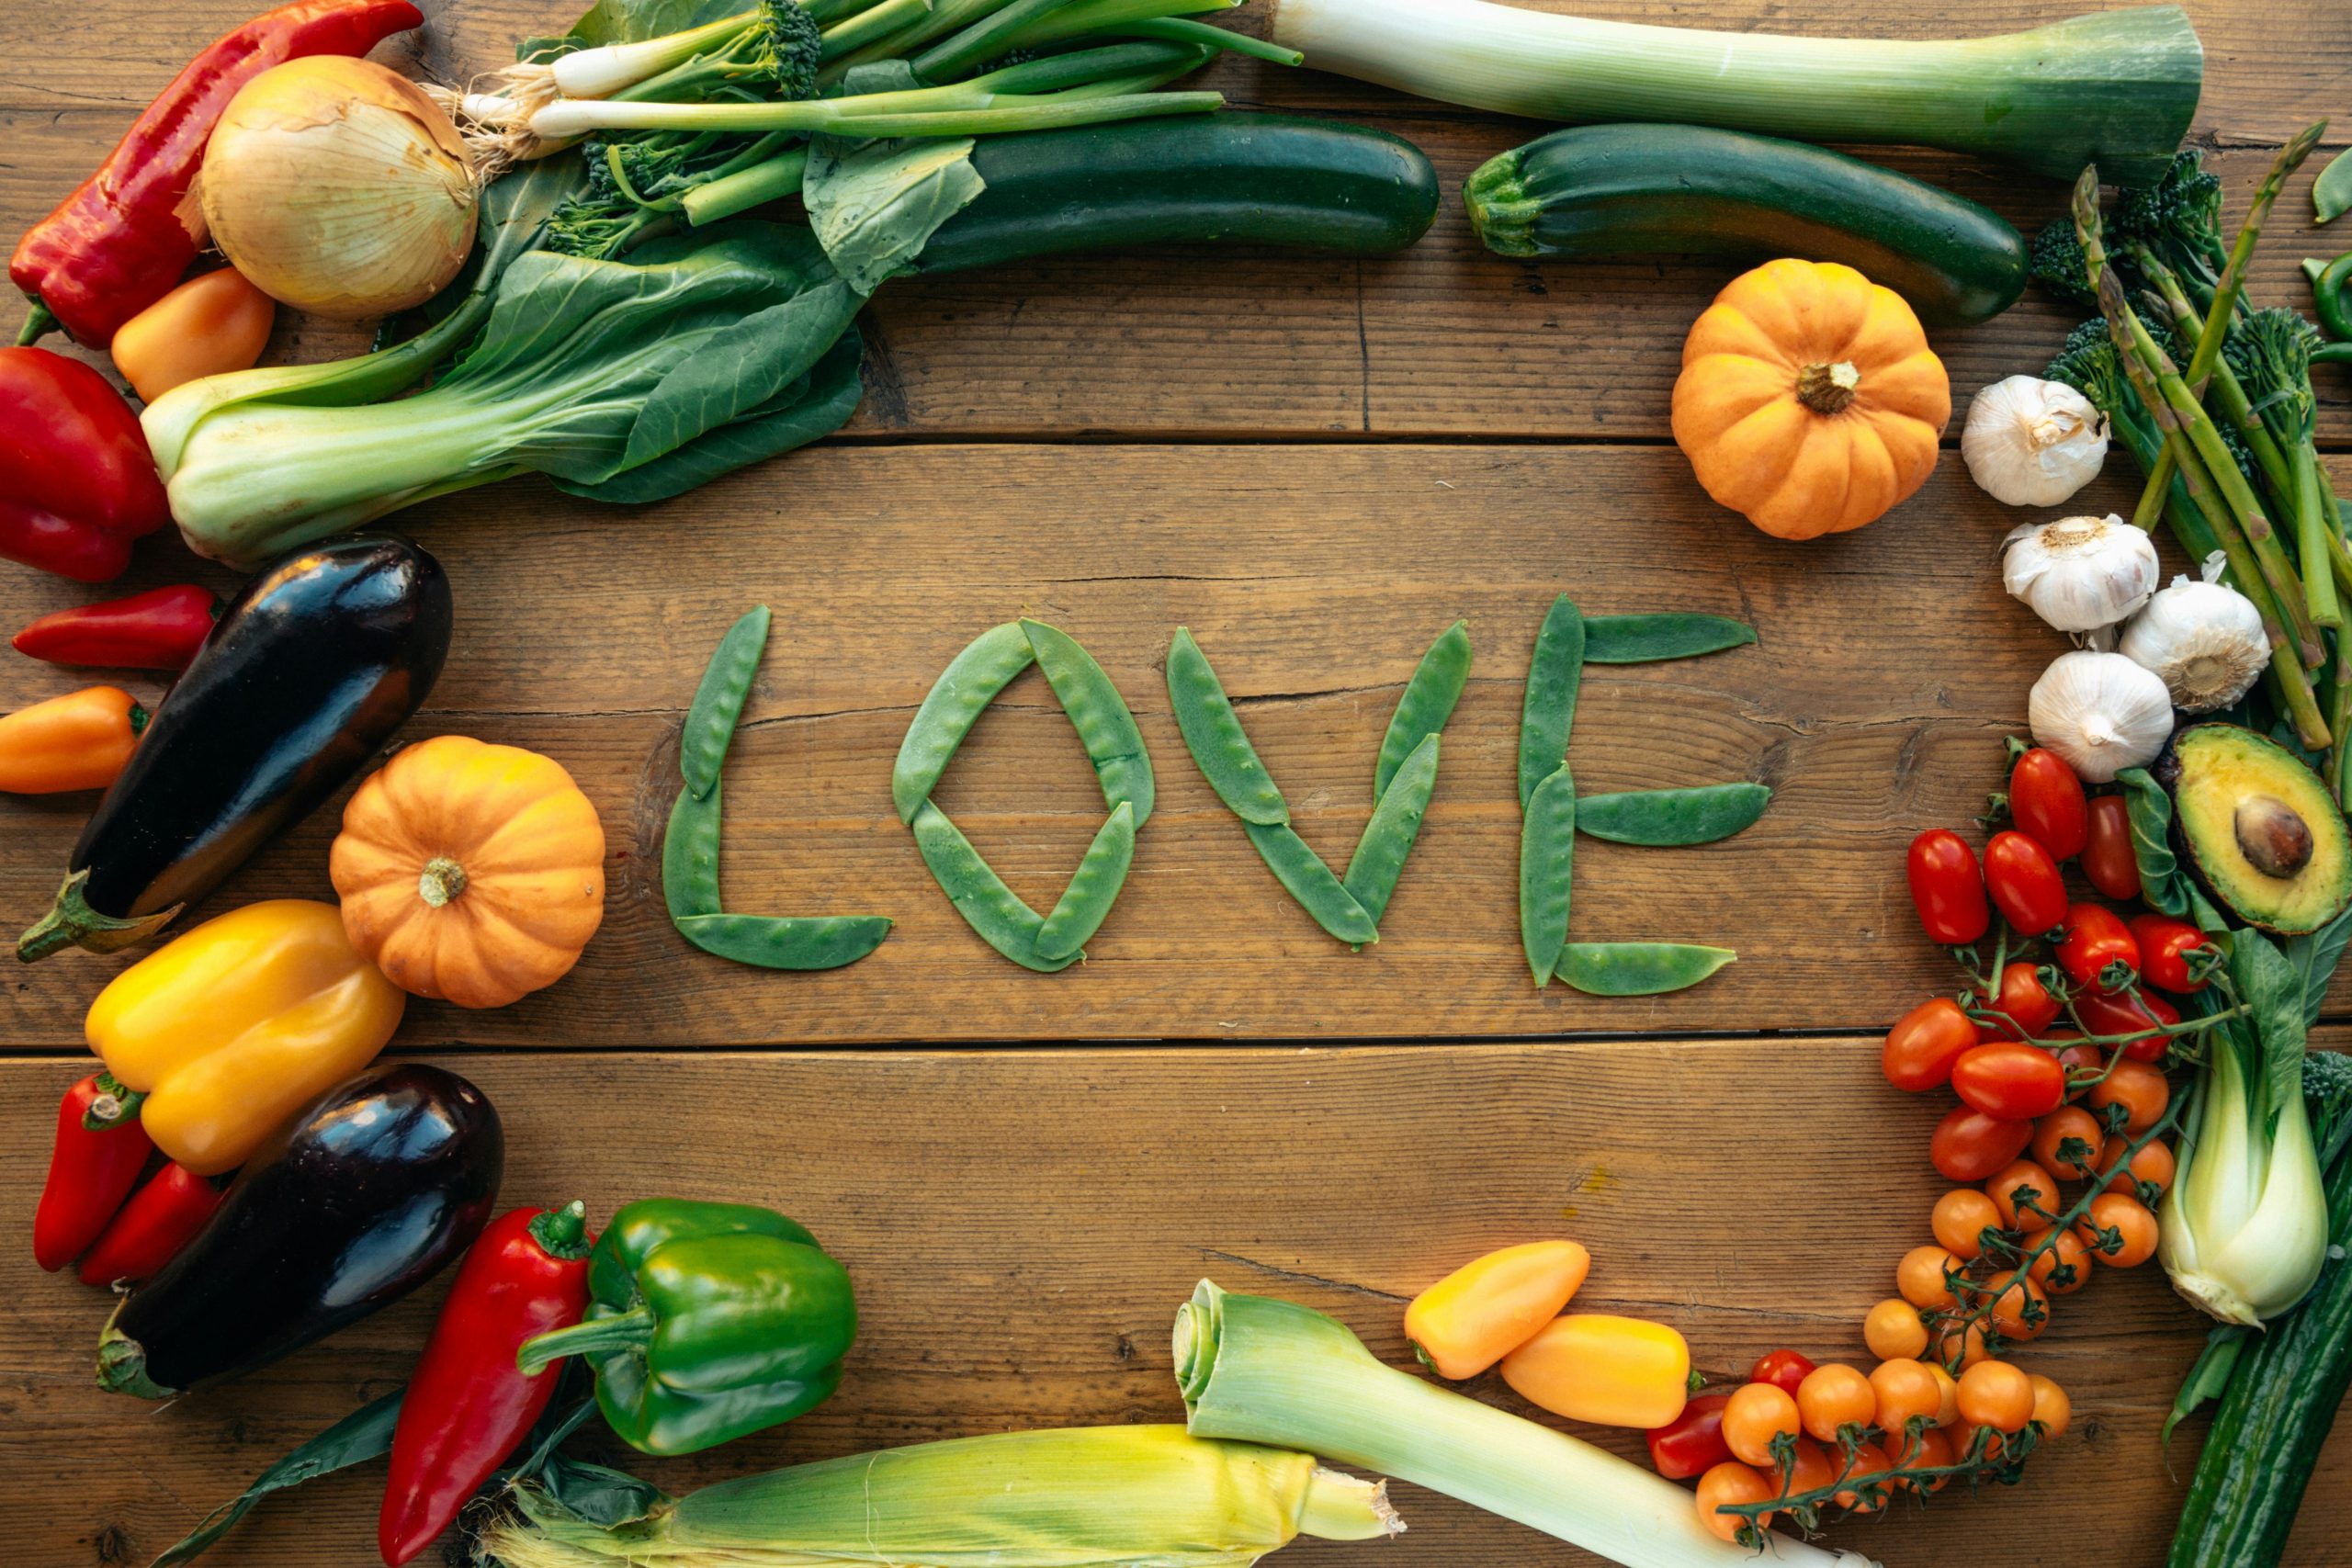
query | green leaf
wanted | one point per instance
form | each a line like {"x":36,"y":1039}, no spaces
{"x":2315,"y":957}
{"x":365,"y":1434}
{"x":2209,"y":1376}
{"x":874,"y":204}
{"x":2331,"y":192}
{"x":2150,"y":808}
{"x":2273,"y":993}
{"x":626,"y":21}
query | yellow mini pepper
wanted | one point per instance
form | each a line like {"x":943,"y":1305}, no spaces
{"x":1611,"y":1371}
{"x":238,"y":1024}
{"x":1483,"y":1310}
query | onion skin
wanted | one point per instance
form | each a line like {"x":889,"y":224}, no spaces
{"x":338,"y":187}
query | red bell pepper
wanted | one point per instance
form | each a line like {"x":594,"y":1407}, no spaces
{"x":121,"y":241}
{"x":77,"y":484}
{"x":149,"y":1231}
{"x":161,"y":629}
{"x":467,"y":1406}
{"x":100,"y":1150}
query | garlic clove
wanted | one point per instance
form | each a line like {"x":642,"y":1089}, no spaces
{"x":2032,"y":442}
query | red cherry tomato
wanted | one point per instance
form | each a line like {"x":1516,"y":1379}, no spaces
{"x":2131,"y":1012}
{"x":1948,"y":888}
{"x":2098,"y":953}
{"x":1785,"y":1370}
{"x":2084,"y":1063}
{"x":2108,"y":860}
{"x":1922,"y":1046}
{"x":2022,"y":999}
{"x":2164,"y":946}
{"x":1692,"y":1443}
{"x":2013,"y":1083}
{"x":2047,"y":804}
{"x":1969,"y":1145}
{"x":2025,"y":883}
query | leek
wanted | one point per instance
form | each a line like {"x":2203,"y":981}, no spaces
{"x":1262,"y":1370}
{"x":2118,"y":88}
{"x":1086,"y":1497}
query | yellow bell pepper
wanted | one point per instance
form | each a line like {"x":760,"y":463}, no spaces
{"x":1484,"y":1311}
{"x":238,"y":1024}
{"x":1611,"y":1371}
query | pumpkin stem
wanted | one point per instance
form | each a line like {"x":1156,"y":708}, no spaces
{"x":1827,"y":388}
{"x":442,"y":880}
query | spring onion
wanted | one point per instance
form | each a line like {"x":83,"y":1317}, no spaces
{"x":1088,"y":1498}
{"x":2119,"y":86}
{"x":1258,"y":1370}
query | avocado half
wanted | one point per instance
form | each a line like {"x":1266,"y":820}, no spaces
{"x":2259,"y":829}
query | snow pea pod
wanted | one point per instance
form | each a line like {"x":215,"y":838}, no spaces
{"x":1642,"y":639}
{"x":773,"y":941}
{"x":1212,"y":734}
{"x":969,"y":684}
{"x":1299,"y":868}
{"x":1547,"y":841}
{"x":1700,"y":815}
{"x":1388,"y":837}
{"x":1427,"y":703}
{"x":1003,"y":920}
{"x":1549,"y":710}
{"x":690,"y":854}
{"x":1637,"y":968}
{"x":1093,"y":887}
{"x":1098,"y":714}
{"x":718,"y":700}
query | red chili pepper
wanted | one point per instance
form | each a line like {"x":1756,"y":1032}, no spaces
{"x":161,"y":629}
{"x":2164,"y":946}
{"x":1947,"y":887}
{"x":1692,"y":1443}
{"x":2098,"y":953}
{"x":160,"y":1218}
{"x":1785,"y":1370}
{"x":121,"y":240}
{"x":76,"y":482}
{"x":100,"y":1150}
{"x":467,"y":1406}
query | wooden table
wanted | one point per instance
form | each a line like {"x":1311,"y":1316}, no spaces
{"x":1317,"y":465}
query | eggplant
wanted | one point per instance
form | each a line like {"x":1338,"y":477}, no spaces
{"x":305,"y":675}
{"x":344,"y":1209}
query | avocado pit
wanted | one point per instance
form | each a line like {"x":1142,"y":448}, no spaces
{"x":2275,"y":840}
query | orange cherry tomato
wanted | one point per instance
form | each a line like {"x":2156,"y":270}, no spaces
{"x":1961,"y":1217}
{"x":1893,"y":1330}
{"x":1924,"y":1043}
{"x":2055,"y":1136}
{"x":1758,"y":1411}
{"x":2109,"y":859}
{"x":1734,"y":1483}
{"x":2064,"y":1268}
{"x":2020,"y":1307}
{"x":2120,"y":1231}
{"x":1835,"y":1396}
{"x":2139,"y":1088}
{"x":1903,"y":1389}
{"x":1931,"y":1449}
{"x":2026,"y":1195}
{"x":1947,"y":1392}
{"x":1969,"y":1145}
{"x":2052,"y":1411}
{"x":2154,"y":1164}
{"x":1965,"y":1347}
{"x":1869,"y":1459}
{"x":2015,"y":1083}
{"x":2084,"y":1063}
{"x":1996,"y":1394}
{"x":1919,"y":1277}
{"x":1809,"y":1472}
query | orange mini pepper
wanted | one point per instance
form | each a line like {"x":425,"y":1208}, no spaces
{"x":207,"y":326}
{"x":1611,"y":1371}
{"x":1483,"y":1310}
{"x":79,"y":740}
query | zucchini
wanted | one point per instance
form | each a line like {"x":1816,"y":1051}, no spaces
{"x":1623,"y":189}
{"x":1223,"y":179}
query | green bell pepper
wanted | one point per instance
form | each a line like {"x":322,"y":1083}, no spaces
{"x":705,"y":1322}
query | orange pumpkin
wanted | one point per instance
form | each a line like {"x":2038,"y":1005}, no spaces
{"x":471,"y":872}
{"x":1809,"y":399}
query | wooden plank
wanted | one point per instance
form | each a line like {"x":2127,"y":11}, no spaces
{"x":1891,"y":664}
{"x":1022,"y":1225}
{"x":1445,"y":340}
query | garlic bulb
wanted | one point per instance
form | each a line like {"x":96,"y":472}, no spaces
{"x":2080,"y":573}
{"x":2031,"y":442}
{"x":2100,"y":712}
{"x":2203,"y":639}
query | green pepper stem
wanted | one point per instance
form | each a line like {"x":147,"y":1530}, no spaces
{"x":39,"y":324}
{"x":599,"y":1335}
{"x":563,"y":1232}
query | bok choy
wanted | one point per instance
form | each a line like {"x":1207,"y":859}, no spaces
{"x":2118,"y":88}
{"x":1257,"y":1369}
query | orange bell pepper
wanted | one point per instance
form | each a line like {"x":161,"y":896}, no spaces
{"x":1611,"y":1371}
{"x":79,"y":740}
{"x":238,"y":1024}
{"x":1483,"y":1310}
{"x":207,"y":326}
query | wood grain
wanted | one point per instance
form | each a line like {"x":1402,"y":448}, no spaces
{"x":1890,"y":666}
{"x":1022,"y":1225}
